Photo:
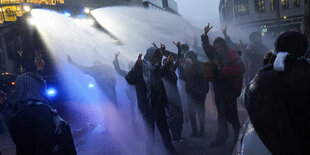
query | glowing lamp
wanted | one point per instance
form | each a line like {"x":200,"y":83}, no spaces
{"x":87,"y":10}
{"x":67,"y":14}
{"x":90,"y":85}
{"x":51,"y":92}
{"x":27,"y":8}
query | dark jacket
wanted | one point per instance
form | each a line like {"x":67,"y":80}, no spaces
{"x":230,"y":75}
{"x":278,"y":104}
{"x":36,"y":128}
{"x":196,"y":84}
{"x":150,"y":89}
{"x":33,"y":128}
{"x":135,"y":77}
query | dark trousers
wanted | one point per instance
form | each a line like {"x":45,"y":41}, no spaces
{"x":226,"y":105}
{"x":161,"y":121}
{"x":197,"y":106}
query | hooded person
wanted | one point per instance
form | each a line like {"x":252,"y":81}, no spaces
{"x":278,"y":98}
{"x":227,"y":85}
{"x":103,"y":75}
{"x":254,"y":55}
{"x":174,"y":106}
{"x":35,"y":127}
{"x":196,"y":87}
{"x":147,"y":77}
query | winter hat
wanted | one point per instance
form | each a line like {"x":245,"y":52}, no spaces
{"x":150,"y":53}
{"x":292,"y":42}
{"x":184,"y":47}
{"x":289,"y":45}
{"x":30,"y":86}
{"x":192,"y":55}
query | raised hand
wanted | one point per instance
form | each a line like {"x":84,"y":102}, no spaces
{"x":177,"y":44}
{"x":162,"y":46}
{"x":154,"y":44}
{"x":116,"y":56}
{"x":139,"y":60}
{"x":207,"y":29}
{"x":225,"y":31}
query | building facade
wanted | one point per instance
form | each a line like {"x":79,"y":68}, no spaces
{"x":262,"y":15}
{"x":168,"y":5}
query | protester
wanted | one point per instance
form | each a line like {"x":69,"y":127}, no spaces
{"x":130,"y":91}
{"x":36,"y":128}
{"x":147,"y":77}
{"x":196,"y":87}
{"x":227,"y":86}
{"x":174,"y":106}
{"x":254,"y":55}
{"x":278,"y":100}
{"x":103,"y":76}
{"x":231,"y":44}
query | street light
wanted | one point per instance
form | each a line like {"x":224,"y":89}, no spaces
{"x":27,"y":8}
{"x":87,"y":10}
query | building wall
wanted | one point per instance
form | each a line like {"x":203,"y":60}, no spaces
{"x":168,"y":5}
{"x":254,"y":19}
{"x":102,"y":3}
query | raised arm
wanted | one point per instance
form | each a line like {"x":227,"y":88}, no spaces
{"x":117,"y":68}
{"x":135,"y":75}
{"x":207,"y":47}
{"x":228,"y":40}
{"x":82,"y":68}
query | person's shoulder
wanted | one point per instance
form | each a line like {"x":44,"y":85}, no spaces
{"x":42,"y":110}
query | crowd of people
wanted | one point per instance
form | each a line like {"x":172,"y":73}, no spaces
{"x":277,"y":91}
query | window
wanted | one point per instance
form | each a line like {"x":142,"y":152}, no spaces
{"x":272,"y":5}
{"x":296,"y":3}
{"x":259,"y":5}
{"x":241,"y":7}
{"x":284,"y":4}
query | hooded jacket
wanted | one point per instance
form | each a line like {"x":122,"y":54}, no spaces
{"x":278,"y":103}
{"x":147,"y":79}
{"x":231,"y":69}
{"x":35,"y":127}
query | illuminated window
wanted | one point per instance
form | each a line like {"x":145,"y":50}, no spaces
{"x":272,"y":5}
{"x":241,"y":7}
{"x":284,"y":4}
{"x":296,"y":3}
{"x":260,"y":5}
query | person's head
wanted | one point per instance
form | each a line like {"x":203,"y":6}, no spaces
{"x":255,"y":38}
{"x":292,"y":42}
{"x":191,"y":55}
{"x":184,"y":48}
{"x":30,"y":86}
{"x":153,"y":55}
{"x":220,"y":46}
{"x":97,"y":63}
